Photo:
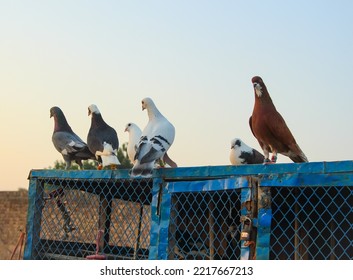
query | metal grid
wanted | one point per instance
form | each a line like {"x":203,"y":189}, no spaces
{"x":205,"y":225}
{"x":312,"y":223}
{"x":70,"y":213}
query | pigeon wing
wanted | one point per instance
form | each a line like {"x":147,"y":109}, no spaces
{"x":67,"y":143}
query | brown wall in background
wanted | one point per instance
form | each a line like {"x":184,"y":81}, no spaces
{"x":13,"y":218}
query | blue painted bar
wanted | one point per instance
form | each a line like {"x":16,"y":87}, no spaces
{"x":34,"y":214}
{"x":80,"y":174}
{"x":263,"y":234}
{"x":209,"y":185}
{"x":302,"y":180}
{"x":160,"y":220}
{"x":155,"y":220}
{"x":204,"y":172}
{"x":32,"y":194}
{"x":211,"y":172}
{"x":165,"y":206}
{"x":246,"y":197}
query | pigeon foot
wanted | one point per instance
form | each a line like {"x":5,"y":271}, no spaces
{"x":113,"y":167}
{"x":267,"y":161}
{"x":274,"y":159}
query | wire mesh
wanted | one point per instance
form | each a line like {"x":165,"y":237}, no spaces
{"x":73,"y":211}
{"x":312,"y":223}
{"x":205,"y":225}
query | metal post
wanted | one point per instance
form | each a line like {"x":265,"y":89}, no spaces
{"x":138,"y":238}
{"x":34,"y":218}
{"x":247,"y":208}
{"x":264,"y":218}
{"x":104,"y":220}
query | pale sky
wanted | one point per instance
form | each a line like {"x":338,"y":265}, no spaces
{"x":195,"y":59}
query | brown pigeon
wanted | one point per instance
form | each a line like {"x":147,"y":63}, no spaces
{"x":270,"y":129}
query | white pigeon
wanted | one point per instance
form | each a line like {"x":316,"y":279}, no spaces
{"x":156,"y":139}
{"x":134,"y":138}
{"x":240,"y":153}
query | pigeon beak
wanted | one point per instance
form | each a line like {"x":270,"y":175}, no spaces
{"x":51,"y":114}
{"x":258,"y":89}
{"x":232,"y":147}
{"x":125,"y":129}
{"x":89,"y":111}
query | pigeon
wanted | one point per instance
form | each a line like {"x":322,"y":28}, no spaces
{"x":240,"y":153}
{"x":156,"y":138}
{"x":102,"y":140}
{"x":134,"y":137}
{"x":270,"y":129}
{"x":71,"y":147}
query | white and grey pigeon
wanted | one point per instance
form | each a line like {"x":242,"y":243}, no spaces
{"x":134,"y":138}
{"x":156,"y":139}
{"x":240,"y":153}
{"x":102,"y":139}
{"x":67,"y":143}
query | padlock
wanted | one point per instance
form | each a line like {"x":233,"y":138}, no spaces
{"x":246,"y":230}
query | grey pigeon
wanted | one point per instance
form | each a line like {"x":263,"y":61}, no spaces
{"x":240,"y":153}
{"x":102,"y":139}
{"x":156,"y":139}
{"x":68,"y":144}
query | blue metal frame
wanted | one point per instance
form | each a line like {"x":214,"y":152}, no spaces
{"x":168,"y":181}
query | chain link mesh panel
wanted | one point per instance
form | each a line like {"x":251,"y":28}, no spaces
{"x":73,"y":211}
{"x":312,"y":223}
{"x":205,"y":225}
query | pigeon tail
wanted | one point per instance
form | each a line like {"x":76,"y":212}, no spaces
{"x":296,"y":154}
{"x":299,"y":158}
{"x":144,"y":170}
{"x":108,"y":156}
{"x":169,"y":161}
{"x":141,"y":172}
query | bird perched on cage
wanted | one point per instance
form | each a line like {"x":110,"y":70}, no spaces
{"x":240,"y":153}
{"x":134,"y":137}
{"x":102,"y":140}
{"x":270,"y":129}
{"x":66,"y":142}
{"x":156,"y":139}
